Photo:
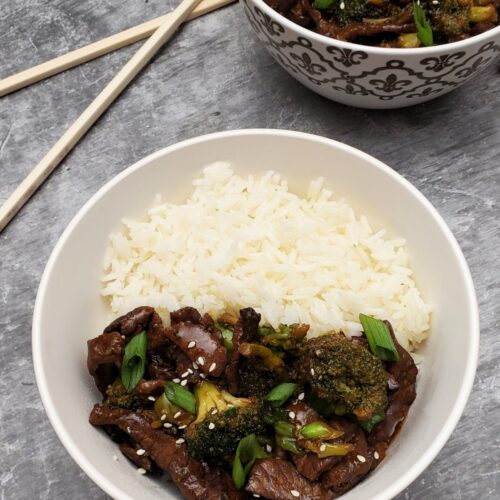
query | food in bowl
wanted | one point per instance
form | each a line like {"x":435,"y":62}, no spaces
{"x":392,"y":23}
{"x":230,"y":407}
{"x":298,"y":395}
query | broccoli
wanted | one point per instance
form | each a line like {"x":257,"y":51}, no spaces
{"x":221,"y":422}
{"x":254,"y":381}
{"x":356,"y":10}
{"x":285,"y":337}
{"x":449,"y":17}
{"x":345,"y":373}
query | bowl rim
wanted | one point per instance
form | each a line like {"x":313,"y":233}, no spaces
{"x":425,"y":51}
{"x":99,"y":478}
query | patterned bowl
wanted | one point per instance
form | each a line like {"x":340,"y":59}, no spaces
{"x":370,"y":77}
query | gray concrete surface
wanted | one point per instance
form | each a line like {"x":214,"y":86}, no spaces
{"x":215,"y":76}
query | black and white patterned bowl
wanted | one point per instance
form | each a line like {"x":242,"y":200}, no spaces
{"x":370,"y":77}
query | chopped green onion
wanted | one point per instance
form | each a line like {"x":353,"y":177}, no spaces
{"x":321,"y":430}
{"x":227,"y":335}
{"x":248,"y":451}
{"x":134,"y":361}
{"x":288,"y":444}
{"x":284,"y":429}
{"x":379,"y":338}
{"x":280,"y":394}
{"x":180,"y":397}
{"x":324,"y":450}
{"x":368,"y":425}
{"x":424,"y":28}
{"x":323,"y":4}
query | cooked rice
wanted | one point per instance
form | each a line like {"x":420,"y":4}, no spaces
{"x":250,"y":242}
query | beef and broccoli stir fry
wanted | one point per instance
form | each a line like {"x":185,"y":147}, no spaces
{"x":231,"y":409}
{"x":392,"y":23}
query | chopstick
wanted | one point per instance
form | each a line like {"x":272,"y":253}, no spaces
{"x":83,"y":123}
{"x":97,"y":49}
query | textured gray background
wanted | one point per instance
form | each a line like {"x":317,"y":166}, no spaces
{"x":215,"y":76}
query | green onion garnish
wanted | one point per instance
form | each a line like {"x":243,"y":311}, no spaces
{"x":248,"y":451}
{"x":321,"y":430}
{"x":180,"y":397}
{"x":323,"y":4}
{"x":284,"y":429}
{"x":288,"y":444}
{"x":134,"y":361}
{"x":379,"y":338}
{"x":424,"y":28}
{"x":280,"y":394}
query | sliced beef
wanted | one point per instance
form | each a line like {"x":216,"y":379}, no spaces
{"x":194,"y":479}
{"x":403,"y":374}
{"x":104,"y":358}
{"x":140,"y":460}
{"x":352,"y":468}
{"x":245,"y":330}
{"x":140,"y":319}
{"x":186,"y":314}
{"x":201,"y":345}
{"x":147,"y":388}
{"x":276,"y":479}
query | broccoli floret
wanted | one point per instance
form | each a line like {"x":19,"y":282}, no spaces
{"x":449,"y":17}
{"x":286,"y":337}
{"x":345,"y":373}
{"x":351,"y":11}
{"x":254,"y":381}
{"x":221,"y":422}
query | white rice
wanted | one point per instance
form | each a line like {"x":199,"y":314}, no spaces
{"x":250,"y":242}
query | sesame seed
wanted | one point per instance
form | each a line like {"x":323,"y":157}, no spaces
{"x":318,"y":352}
{"x":214,"y":411}
{"x":176,"y":380}
{"x":190,"y":371}
{"x":295,"y":493}
{"x":140,"y":452}
{"x":269,"y":448}
{"x":128,"y":430}
{"x":167,"y":425}
{"x":256,"y":495}
{"x":184,"y":382}
{"x":312,"y":372}
{"x":191,"y":344}
{"x":151,"y":398}
{"x":182,"y":426}
{"x":140,"y":470}
{"x":185,"y":374}
{"x":301,"y":396}
{"x":292,"y":415}
{"x":123,"y":337}
{"x":322,"y":447}
{"x":178,"y":414}
{"x":202,"y":376}
{"x":342,"y":5}
{"x":195,"y":366}
{"x":163,"y":417}
{"x":115,"y":458}
{"x":180,"y":441}
{"x":376,"y":456}
{"x":211,"y":426}
{"x":361,"y":458}
{"x":213,"y":366}
{"x":201,"y":361}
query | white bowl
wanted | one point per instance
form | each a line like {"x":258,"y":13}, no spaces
{"x":69,"y":309}
{"x":370,"y":77}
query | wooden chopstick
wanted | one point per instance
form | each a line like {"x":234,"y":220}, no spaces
{"x":83,"y":123}
{"x":97,"y":49}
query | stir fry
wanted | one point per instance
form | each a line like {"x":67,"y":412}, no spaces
{"x":230,"y":408}
{"x":392,"y":23}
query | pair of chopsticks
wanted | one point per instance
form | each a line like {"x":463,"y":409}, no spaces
{"x":160,"y":29}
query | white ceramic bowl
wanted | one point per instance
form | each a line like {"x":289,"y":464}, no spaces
{"x":69,"y":310}
{"x":370,"y":77}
